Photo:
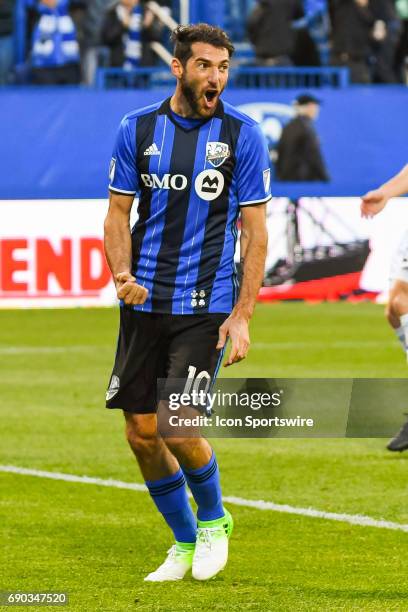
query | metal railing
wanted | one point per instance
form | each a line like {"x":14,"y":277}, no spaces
{"x":167,"y":20}
{"x":254,"y":77}
{"x":139,"y":78}
{"x":245,"y":77}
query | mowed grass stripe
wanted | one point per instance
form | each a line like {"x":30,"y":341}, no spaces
{"x":352,"y":519}
{"x":22,"y":349}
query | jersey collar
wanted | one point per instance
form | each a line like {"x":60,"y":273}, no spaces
{"x":165,"y":109}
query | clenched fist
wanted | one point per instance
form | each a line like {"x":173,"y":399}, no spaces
{"x":128,"y":290}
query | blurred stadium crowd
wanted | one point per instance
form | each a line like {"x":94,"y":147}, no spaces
{"x":64,"y":41}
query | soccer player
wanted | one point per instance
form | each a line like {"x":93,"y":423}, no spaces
{"x":397,"y":308}
{"x":195,"y":164}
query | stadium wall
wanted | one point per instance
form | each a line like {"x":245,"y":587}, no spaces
{"x":57,"y":143}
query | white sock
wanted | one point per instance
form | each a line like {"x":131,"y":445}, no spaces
{"x":401,"y":336}
{"x":404,"y":327}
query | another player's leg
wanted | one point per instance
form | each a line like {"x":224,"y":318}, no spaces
{"x":397,"y":315}
{"x":167,"y":487}
{"x":397,"y":311}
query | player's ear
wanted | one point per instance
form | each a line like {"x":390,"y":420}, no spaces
{"x":176,"y":68}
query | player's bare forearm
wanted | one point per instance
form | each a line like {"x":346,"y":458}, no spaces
{"x":397,"y":185}
{"x":118,"y":249}
{"x":236,"y":327}
{"x":374,"y":201}
{"x":117,"y":238}
{"x":256,"y":242}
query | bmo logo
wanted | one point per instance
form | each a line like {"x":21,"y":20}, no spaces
{"x":209,"y":184}
{"x":178,"y":182}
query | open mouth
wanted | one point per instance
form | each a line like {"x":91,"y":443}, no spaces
{"x":211,"y":96}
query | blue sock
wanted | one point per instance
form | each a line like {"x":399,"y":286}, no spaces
{"x":170,"y":496}
{"x":206,"y":489}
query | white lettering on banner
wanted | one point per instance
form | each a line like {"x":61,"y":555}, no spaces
{"x":178,"y":182}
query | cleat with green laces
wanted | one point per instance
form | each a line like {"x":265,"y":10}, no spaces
{"x":211,"y":551}
{"x":178,"y":562}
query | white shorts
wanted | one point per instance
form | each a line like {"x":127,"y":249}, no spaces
{"x":399,"y":261}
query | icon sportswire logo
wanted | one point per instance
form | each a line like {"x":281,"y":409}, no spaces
{"x":152,"y":150}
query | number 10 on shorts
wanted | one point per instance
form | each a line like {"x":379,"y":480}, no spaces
{"x":193,"y":382}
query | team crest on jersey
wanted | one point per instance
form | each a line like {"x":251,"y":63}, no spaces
{"x":217,"y":153}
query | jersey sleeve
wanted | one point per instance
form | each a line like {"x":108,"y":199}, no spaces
{"x":253,"y":167}
{"x":123,"y":176}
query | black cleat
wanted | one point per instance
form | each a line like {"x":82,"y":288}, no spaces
{"x":400,"y":440}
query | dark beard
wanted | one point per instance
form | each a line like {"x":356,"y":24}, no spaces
{"x":189,"y":94}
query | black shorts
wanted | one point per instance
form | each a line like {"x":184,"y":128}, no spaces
{"x":154,"y":346}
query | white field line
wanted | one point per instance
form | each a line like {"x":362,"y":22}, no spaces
{"x":324,"y":344}
{"x":35,"y":350}
{"x":352,"y":519}
{"x":38,"y":350}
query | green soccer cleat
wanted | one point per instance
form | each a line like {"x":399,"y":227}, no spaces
{"x":178,"y":562}
{"x":211,"y":551}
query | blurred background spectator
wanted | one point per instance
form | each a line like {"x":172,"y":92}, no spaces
{"x":370,"y":37}
{"x":312,"y":35}
{"x":270,"y":30}
{"x":352,"y":22}
{"x":121,"y":32}
{"x":55,"y":50}
{"x":401,"y":58}
{"x":90,"y":37}
{"x":386,"y":36}
{"x":298,"y":152}
{"x":128,"y":28}
{"x":6,"y":40}
{"x":152,"y":31}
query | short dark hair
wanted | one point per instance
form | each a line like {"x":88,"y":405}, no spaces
{"x":184,"y":37}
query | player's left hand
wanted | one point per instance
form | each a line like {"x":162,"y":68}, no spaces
{"x":236,"y":328}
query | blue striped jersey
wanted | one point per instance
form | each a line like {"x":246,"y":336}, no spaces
{"x":191,"y":183}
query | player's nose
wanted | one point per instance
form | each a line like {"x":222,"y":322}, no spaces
{"x":214,"y":77}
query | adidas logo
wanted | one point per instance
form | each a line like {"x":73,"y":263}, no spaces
{"x":152,"y":150}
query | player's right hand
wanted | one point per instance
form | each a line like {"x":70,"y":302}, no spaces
{"x":373,"y":202}
{"x":128,"y":290}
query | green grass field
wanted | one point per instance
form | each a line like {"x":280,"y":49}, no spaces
{"x":98,"y":543}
